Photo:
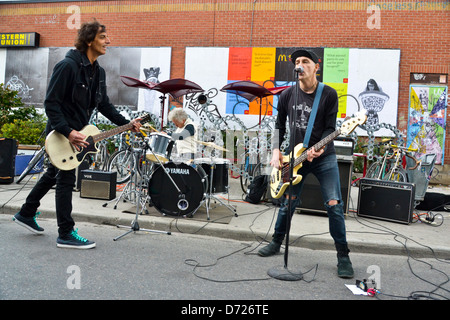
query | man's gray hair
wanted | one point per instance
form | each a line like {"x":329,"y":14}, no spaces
{"x":178,"y":114}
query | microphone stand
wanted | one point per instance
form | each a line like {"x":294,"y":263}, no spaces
{"x":283,"y":273}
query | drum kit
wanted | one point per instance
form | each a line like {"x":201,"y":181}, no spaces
{"x":177,"y":188}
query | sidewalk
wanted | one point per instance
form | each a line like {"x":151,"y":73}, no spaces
{"x":254,"y":222}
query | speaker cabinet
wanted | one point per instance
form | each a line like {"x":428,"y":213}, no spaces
{"x":386,"y":200}
{"x":8,"y":152}
{"x":311,"y":196}
{"x":98,"y":184}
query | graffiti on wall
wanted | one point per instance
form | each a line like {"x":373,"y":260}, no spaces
{"x":426,"y":122}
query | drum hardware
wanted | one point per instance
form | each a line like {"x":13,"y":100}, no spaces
{"x":214,"y":185}
{"x":127,"y":191}
{"x":139,"y":202}
{"x":131,"y":188}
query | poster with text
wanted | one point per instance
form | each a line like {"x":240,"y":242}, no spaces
{"x":365,"y":79}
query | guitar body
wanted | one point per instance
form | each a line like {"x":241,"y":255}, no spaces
{"x":279,"y":178}
{"x":63,"y":155}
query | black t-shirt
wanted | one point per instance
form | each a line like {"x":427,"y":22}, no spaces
{"x":325,"y":122}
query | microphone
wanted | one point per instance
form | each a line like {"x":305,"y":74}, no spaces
{"x":299,"y":69}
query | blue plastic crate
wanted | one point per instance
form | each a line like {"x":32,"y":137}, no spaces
{"x":22,"y":161}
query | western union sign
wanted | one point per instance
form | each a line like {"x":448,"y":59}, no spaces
{"x":19,"y":39}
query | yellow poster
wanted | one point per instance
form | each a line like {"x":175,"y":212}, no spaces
{"x":263,"y":64}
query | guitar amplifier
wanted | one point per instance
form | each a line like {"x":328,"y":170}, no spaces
{"x":344,"y":146}
{"x":311,"y":196}
{"x":98,"y":184}
{"x":386,"y":200}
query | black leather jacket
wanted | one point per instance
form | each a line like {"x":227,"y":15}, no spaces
{"x":76,"y":88}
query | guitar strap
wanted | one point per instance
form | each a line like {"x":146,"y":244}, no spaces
{"x":312,"y":116}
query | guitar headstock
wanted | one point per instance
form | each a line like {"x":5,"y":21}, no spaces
{"x":145,"y":118}
{"x":350,"y":123}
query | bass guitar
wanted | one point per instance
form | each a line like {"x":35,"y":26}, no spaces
{"x":279,"y":178}
{"x":64,"y":156}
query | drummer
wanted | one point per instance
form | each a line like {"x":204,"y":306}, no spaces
{"x":185,"y":135}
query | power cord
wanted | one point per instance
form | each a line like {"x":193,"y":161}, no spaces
{"x":196,"y":265}
{"x":415,"y":295}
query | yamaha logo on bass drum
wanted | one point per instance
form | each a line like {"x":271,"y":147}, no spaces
{"x":183,"y":171}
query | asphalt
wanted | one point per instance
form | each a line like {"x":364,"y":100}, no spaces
{"x":254,"y":222}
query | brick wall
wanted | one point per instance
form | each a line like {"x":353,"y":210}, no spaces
{"x":419,"y":28}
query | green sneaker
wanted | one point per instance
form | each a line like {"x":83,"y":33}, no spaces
{"x":28,"y":223}
{"x":74,"y":241}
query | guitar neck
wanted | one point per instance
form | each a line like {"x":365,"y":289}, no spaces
{"x":109,"y":133}
{"x":319,"y":145}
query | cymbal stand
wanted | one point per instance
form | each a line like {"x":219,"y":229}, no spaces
{"x":209,"y":193}
{"x":139,"y":202}
{"x":128,"y":190}
{"x":163,"y":99}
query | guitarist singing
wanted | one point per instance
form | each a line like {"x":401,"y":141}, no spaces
{"x":76,"y":88}
{"x":322,"y":163}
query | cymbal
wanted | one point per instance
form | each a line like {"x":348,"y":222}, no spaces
{"x":212,"y":145}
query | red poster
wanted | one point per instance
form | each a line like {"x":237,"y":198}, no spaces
{"x":239,"y":64}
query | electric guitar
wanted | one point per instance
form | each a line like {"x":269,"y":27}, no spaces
{"x":279,"y":178}
{"x":64,"y":156}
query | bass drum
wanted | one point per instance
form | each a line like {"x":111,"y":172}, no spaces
{"x":165,"y":196}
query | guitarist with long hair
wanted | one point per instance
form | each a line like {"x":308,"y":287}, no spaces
{"x":76,"y":88}
{"x":322,"y":163}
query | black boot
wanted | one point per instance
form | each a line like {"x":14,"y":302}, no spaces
{"x":272,"y":248}
{"x":345,"y":269}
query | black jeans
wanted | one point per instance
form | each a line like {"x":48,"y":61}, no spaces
{"x":65,"y":182}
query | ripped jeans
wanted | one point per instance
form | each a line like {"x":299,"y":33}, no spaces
{"x":326,"y":171}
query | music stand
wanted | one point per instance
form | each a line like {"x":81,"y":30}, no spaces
{"x":174,"y":87}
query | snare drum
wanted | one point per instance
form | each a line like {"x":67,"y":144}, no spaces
{"x":219,"y":167}
{"x":165,"y":195}
{"x":161,"y":144}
